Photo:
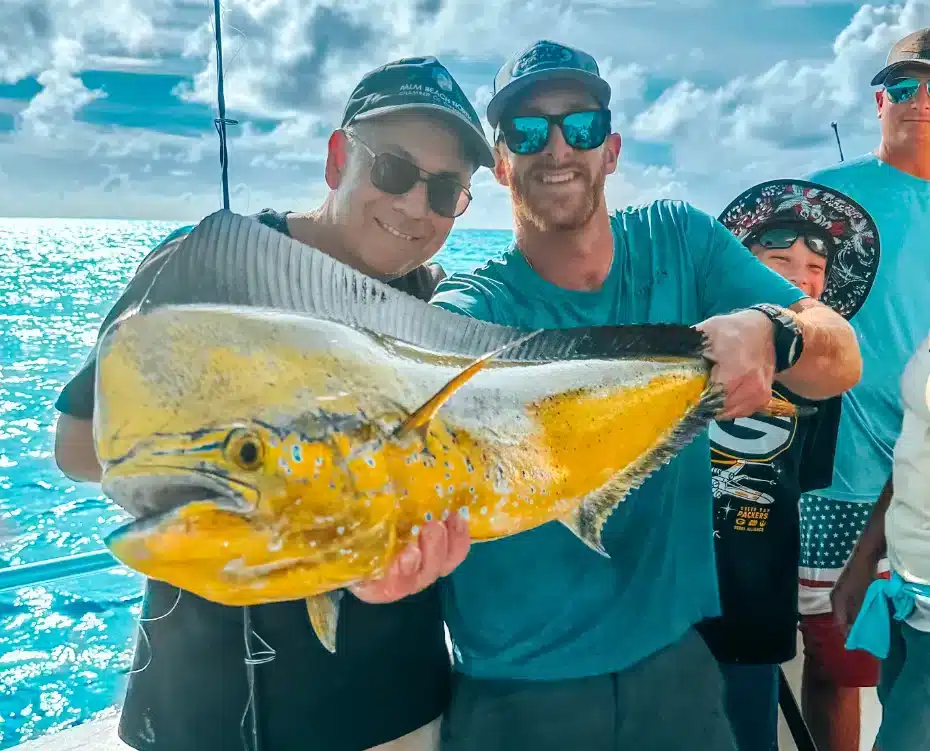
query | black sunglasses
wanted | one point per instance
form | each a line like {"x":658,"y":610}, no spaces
{"x":395,"y":175}
{"x":583,"y":130}
{"x":782,"y":238}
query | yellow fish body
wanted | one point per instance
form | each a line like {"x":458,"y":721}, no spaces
{"x":269,"y":455}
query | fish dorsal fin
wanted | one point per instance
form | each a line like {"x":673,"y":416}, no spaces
{"x":324,"y":617}
{"x":420,"y":419}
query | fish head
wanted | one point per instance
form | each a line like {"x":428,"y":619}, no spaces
{"x":248,"y":480}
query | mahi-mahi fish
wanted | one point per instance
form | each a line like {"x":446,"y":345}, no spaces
{"x":281,"y":426}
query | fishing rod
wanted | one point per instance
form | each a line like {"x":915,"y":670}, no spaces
{"x":221,"y":121}
{"x":836,"y":132}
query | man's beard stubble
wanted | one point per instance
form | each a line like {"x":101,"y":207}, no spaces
{"x":539,"y":213}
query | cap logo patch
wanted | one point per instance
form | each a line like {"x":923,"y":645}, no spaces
{"x":542,"y":56}
{"x":445,"y":83}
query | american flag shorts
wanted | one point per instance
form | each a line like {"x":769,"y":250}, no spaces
{"x":829,"y":531}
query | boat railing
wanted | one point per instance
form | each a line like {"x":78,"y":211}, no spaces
{"x":54,"y":569}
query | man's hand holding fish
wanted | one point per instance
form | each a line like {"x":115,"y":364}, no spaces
{"x":742,"y":346}
{"x":440,"y":548}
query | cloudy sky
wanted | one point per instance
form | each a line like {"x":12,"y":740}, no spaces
{"x":107,"y":106}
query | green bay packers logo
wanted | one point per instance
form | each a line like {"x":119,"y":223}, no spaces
{"x":759,"y":438}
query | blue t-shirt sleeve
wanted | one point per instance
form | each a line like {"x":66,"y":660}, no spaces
{"x":730,"y":277}
{"x":464,"y":294}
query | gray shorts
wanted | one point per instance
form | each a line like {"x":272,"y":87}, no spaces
{"x":904,"y":691}
{"x":664,"y":703}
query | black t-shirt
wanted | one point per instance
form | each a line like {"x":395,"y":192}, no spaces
{"x":390,"y":675}
{"x":760,"y":466}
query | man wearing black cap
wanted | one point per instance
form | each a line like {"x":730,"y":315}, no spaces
{"x":558,"y":647}
{"x":892,"y":184}
{"x":399,"y":171}
{"x":762,"y":464}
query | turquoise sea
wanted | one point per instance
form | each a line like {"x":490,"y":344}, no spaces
{"x":65,"y":647}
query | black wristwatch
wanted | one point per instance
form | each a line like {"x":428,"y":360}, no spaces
{"x":788,"y":340}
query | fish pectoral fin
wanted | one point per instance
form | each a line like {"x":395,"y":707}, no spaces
{"x":324,"y":617}
{"x":582,"y":523}
{"x":420,"y":419}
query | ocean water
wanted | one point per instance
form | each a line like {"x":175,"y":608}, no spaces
{"x":65,"y":647}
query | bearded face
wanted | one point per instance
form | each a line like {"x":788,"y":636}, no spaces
{"x":560,"y":187}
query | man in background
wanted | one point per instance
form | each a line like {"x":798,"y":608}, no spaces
{"x":893,"y":186}
{"x":399,"y":171}
{"x":555,"y":646}
{"x":762,"y":464}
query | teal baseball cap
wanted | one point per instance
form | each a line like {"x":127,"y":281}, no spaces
{"x":545,"y":61}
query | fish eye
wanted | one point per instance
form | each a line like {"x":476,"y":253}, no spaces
{"x":245,"y":449}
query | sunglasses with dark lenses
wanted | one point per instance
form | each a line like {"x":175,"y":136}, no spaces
{"x":782,"y":238}
{"x":905,"y":89}
{"x":395,"y":175}
{"x":529,"y":134}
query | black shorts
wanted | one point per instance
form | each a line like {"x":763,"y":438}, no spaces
{"x":390,"y":675}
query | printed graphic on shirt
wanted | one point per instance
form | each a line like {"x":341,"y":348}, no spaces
{"x":746,"y":470}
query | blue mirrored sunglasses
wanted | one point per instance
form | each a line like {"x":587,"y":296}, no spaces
{"x":905,"y":89}
{"x":529,"y":134}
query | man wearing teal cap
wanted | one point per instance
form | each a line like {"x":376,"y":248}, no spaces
{"x":555,"y":646}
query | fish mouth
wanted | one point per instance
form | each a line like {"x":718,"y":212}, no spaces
{"x":160,"y":490}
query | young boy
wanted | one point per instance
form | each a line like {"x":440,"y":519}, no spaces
{"x":824,"y":243}
{"x":894,"y":623}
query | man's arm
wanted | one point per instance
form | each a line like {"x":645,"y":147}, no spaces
{"x":741,"y":345}
{"x":74,"y":449}
{"x":862,"y":567}
{"x":831,"y":362}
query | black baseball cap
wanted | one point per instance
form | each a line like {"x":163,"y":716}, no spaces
{"x":545,"y":61}
{"x":913,"y":50}
{"x":418,"y":84}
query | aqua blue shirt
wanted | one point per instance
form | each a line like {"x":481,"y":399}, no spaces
{"x":890,"y":324}
{"x":541,"y":605}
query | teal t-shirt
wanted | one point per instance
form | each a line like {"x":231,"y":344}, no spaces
{"x":890,"y":324}
{"x":541,"y":605}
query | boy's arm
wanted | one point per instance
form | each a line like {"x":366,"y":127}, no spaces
{"x":862,"y":567}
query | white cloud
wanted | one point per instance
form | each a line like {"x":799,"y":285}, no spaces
{"x":777,"y":123}
{"x":295,"y":61}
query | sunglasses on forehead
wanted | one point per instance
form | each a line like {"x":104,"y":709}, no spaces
{"x":782,"y":238}
{"x":395,"y":175}
{"x":905,"y":89}
{"x":583,"y":130}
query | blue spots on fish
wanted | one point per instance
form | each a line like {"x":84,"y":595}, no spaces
{"x":296,"y":453}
